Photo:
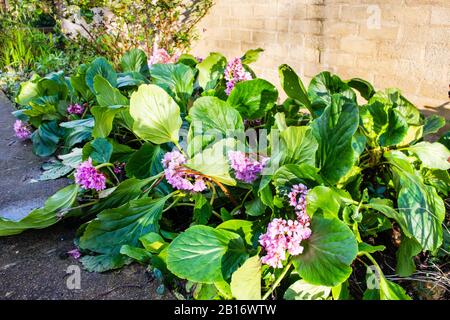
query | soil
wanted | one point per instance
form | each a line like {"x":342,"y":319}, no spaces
{"x":34,"y":264}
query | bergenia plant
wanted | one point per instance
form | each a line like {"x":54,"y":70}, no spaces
{"x":199,"y":170}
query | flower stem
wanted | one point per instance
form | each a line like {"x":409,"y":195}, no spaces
{"x":106,"y":164}
{"x":277,"y":282}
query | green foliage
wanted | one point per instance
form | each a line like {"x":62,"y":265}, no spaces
{"x":366,"y":166}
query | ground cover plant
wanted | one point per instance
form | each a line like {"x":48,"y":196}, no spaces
{"x":196,"y":168}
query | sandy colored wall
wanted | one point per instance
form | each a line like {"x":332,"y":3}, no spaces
{"x":392,"y":43}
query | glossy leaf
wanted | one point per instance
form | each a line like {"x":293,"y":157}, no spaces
{"x":299,"y":146}
{"x":100,"y":66}
{"x":197,"y":254}
{"x":156,"y":115}
{"x":253,"y":98}
{"x":124,"y":225}
{"x":328,"y":253}
{"x":334,"y":131}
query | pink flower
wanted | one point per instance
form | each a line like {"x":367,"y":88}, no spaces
{"x":245,"y":168}
{"x":88,"y":177}
{"x":177,"y":176}
{"x":75,"y":253}
{"x":281,"y":236}
{"x":297,"y":199}
{"x":160,"y":56}
{"x":75,"y":109}
{"x":22,"y":130}
{"x":235,"y":72}
{"x":118,"y":167}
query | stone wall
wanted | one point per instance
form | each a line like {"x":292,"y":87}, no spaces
{"x":392,"y":43}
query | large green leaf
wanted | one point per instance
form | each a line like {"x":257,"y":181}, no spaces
{"x":156,"y":115}
{"x":45,"y":138}
{"x":212,"y":116}
{"x":198,"y":253}
{"x":253,"y":98}
{"x":396,"y":129}
{"x":328,"y":253}
{"x":321,"y":89}
{"x":213,"y":162}
{"x":302,"y":290}
{"x":114,"y":228}
{"x":293,"y":86}
{"x":101,"y":150}
{"x":421,"y":210}
{"x":107,"y":95}
{"x":299,"y":146}
{"x":134,"y":60}
{"x":104,"y":118}
{"x":130,"y":79}
{"x":210,"y":70}
{"x":29,"y":90}
{"x":77,"y":135}
{"x":246,"y":281}
{"x":145,"y":162}
{"x":43,"y":217}
{"x":393,"y":97}
{"x":176,"y":79}
{"x":100,"y":66}
{"x":433,"y":155}
{"x":334,"y":131}
{"x":323,"y":199}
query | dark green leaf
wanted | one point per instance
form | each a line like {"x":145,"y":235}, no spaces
{"x":293,"y":86}
{"x":176,"y":79}
{"x":135,"y":60}
{"x":328,"y":253}
{"x":102,"y":67}
{"x":253,"y":98}
{"x":334,"y":131}
{"x":299,"y":146}
{"x":145,"y":162}
{"x":114,"y":228}
{"x":45,"y":138}
{"x":197,"y":254}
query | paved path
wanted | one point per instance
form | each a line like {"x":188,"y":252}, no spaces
{"x":19,"y":168}
{"x":34,"y":264}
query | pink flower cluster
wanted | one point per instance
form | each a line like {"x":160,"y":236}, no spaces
{"x":297,"y":199}
{"x":162,"y":56}
{"x":118,"y":167}
{"x":245,"y":168}
{"x":282,"y":235}
{"x":22,"y":130}
{"x":88,"y":177}
{"x":235,"y":72}
{"x":177,"y":176}
{"x":75,"y":109}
